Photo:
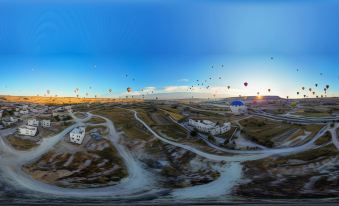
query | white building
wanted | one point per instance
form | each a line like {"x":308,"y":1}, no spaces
{"x":9,"y":121}
{"x":77,"y":135}
{"x":207,"y":126}
{"x":33,"y":122}
{"x":28,"y":130}
{"x":68,"y":108}
{"x":46,"y":123}
{"x":23,"y":111}
{"x":238,"y":107}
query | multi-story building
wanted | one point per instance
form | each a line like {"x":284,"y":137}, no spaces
{"x":33,"y":122}
{"x":28,"y":130}
{"x":207,"y":126}
{"x":46,"y":123}
{"x":77,"y":135}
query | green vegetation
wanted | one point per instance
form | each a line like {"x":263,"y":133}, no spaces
{"x":324,"y":139}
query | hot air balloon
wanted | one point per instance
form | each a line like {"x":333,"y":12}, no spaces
{"x":327,"y":86}
{"x":269,"y":90}
{"x":245,"y":84}
{"x":129,"y":89}
{"x":48,"y":91}
{"x":297,"y":93}
{"x":304,"y":95}
{"x":303,"y":88}
{"x":310,"y":89}
{"x":219,"y":77}
{"x":313,"y":93}
{"x":286,"y":97}
{"x":258,"y":93}
{"x":110,"y":90}
{"x":316,"y":85}
{"x":228,"y":87}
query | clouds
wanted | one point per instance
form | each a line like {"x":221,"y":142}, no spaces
{"x":176,"y":89}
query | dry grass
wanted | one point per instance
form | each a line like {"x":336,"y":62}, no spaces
{"x":262,"y":131}
{"x":125,"y":121}
{"x":20,"y":143}
{"x":96,"y":120}
{"x":64,"y":100}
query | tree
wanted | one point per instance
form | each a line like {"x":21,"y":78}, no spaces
{"x":194,"y":133}
{"x":211,"y":138}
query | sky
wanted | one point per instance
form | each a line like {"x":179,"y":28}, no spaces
{"x":167,"y":47}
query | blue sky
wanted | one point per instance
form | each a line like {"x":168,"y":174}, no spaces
{"x":166,"y":46}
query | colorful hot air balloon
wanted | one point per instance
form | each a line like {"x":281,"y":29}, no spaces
{"x":245,"y":84}
{"x":129,"y":89}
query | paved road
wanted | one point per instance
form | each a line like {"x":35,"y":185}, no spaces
{"x":299,"y":120}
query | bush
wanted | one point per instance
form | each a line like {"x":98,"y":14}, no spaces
{"x":211,"y":138}
{"x":194,"y":133}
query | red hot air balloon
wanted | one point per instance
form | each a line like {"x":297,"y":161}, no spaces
{"x":245,"y":84}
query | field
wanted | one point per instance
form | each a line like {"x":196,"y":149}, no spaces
{"x":20,"y":143}
{"x":124,"y":120}
{"x":262,"y":131}
{"x":63,"y":100}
